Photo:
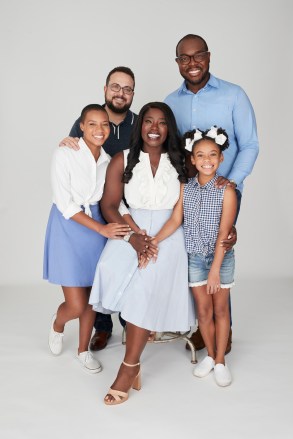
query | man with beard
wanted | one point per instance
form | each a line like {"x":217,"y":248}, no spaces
{"x":203,"y":101}
{"x":119,"y":91}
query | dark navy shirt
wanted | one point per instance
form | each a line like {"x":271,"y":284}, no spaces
{"x":119,"y":137}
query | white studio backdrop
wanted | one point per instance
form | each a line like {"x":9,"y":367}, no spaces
{"x":55,"y":58}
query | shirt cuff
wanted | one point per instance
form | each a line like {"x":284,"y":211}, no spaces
{"x":71,"y":210}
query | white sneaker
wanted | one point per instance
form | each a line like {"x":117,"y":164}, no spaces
{"x":204,"y":367}
{"x":222,"y":375}
{"x":89,"y":363}
{"x":55,"y":339}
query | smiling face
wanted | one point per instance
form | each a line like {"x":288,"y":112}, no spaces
{"x":206,"y":157}
{"x":119,"y":101}
{"x":195,"y":73}
{"x":154,"y":129}
{"x":96,"y":128}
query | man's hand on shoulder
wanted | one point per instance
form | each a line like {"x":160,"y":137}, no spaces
{"x":71,"y":142}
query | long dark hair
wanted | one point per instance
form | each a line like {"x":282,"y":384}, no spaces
{"x":172,"y":144}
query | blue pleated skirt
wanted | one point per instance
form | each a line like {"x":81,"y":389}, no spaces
{"x":71,"y":250}
{"x":156,"y":298}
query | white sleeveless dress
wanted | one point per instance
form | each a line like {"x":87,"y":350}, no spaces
{"x":156,"y":298}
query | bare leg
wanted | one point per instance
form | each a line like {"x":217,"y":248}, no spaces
{"x":86,"y":324}
{"x":136,"y":339}
{"x":222,"y":323}
{"x":204,"y":306}
{"x":76,"y":306}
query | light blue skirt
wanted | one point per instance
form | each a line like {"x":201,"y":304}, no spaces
{"x":71,"y":250}
{"x":157,"y":297}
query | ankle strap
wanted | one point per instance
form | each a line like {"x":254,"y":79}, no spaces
{"x":130,"y":365}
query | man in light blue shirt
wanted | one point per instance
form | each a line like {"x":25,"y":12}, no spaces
{"x":204,"y":100}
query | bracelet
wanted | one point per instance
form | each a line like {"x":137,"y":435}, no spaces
{"x":127,"y":237}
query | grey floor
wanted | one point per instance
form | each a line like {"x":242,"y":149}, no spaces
{"x":42,"y":396}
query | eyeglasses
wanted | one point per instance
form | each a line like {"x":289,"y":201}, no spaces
{"x":197,"y":57}
{"x":116,"y":87}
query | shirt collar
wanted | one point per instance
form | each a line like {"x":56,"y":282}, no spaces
{"x":212,"y":82}
{"x":129,"y":118}
{"x":145,"y":155}
{"x":209,"y":185}
{"x":104,"y":157}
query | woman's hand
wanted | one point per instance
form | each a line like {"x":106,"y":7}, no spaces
{"x":143,"y":260}
{"x":71,"y":142}
{"x":231,"y":240}
{"x":114,"y":230}
{"x":142,"y":244}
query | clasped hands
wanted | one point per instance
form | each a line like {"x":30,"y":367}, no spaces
{"x":146,"y":247}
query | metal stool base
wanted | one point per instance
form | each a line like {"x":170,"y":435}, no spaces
{"x":166,"y":337}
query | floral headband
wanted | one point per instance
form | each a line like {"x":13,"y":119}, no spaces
{"x":219,"y":139}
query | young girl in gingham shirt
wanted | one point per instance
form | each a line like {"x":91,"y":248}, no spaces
{"x":209,"y":214}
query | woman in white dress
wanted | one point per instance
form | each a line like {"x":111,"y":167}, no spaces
{"x":157,"y":297}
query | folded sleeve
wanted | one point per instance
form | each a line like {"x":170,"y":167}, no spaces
{"x":60,"y":179}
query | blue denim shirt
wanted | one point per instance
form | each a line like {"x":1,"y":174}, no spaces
{"x":226,"y":105}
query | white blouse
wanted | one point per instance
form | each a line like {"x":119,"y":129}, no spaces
{"x":147,"y":192}
{"x":77,"y":179}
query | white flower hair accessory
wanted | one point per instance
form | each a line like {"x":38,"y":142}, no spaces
{"x":190,"y":142}
{"x":220,"y":139}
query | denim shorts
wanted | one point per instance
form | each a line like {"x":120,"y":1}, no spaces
{"x":199,"y":267}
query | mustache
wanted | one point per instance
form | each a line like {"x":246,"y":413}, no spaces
{"x":120,"y":97}
{"x":195,"y":68}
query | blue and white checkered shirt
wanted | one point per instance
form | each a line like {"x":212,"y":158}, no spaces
{"x":202,"y":215}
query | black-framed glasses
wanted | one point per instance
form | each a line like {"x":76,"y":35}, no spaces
{"x":197,"y":57}
{"x":116,"y":87}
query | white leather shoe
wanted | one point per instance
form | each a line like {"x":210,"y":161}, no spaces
{"x":89,"y":363}
{"x":222,"y":375}
{"x":55,"y":339}
{"x":204,"y":367}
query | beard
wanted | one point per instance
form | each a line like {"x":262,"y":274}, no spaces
{"x":118,"y":110}
{"x":203,"y":79}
